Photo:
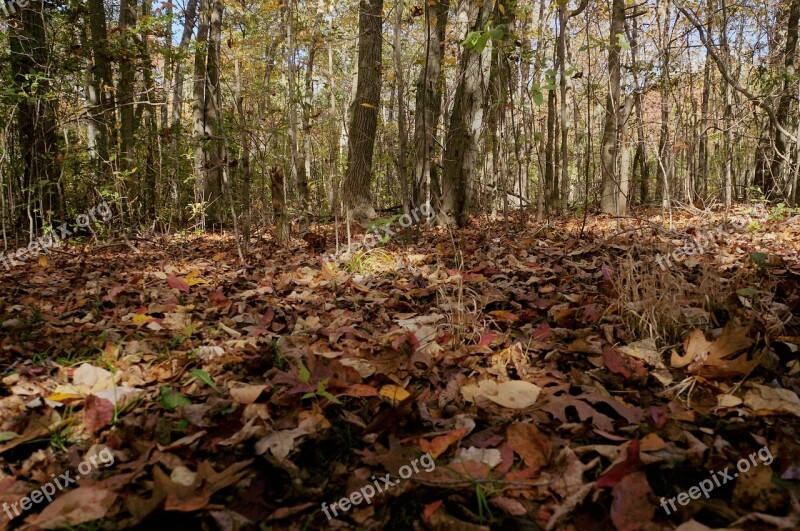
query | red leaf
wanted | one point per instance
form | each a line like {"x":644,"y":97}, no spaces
{"x":431,"y":508}
{"x":178,"y":284}
{"x":631,"y":464}
{"x":97,"y":413}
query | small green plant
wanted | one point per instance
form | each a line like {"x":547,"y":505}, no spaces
{"x":172,"y":400}
{"x":279,"y":360}
{"x":304,"y":375}
{"x":60,"y":436}
{"x":322,"y":391}
{"x":204,"y":377}
{"x":780,"y":212}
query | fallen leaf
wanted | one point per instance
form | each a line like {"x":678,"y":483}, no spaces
{"x":393,"y":393}
{"x":632,"y":509}
{"x":75,"y":507}
{"x":514,"y":394}
{"x":532,"y":446}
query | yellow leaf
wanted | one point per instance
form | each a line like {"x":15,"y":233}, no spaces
{"x":394,"y":393}
{"x":368,"y":106}
{"x":43,"y":261}
{"x":63,"y":397}
{"x":194,"y":279}
{"x":502,"y":9}
{"x":217,"y":257}
{"x":141,"y":318}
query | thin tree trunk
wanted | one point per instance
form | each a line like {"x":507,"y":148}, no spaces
{"x":190,"y":16}
{"x":200,"y":133}
{"x":701,"y":188}
{"x":610,"y":142}
{"x":402,"y":128}
{"x":127,"y":78}
{"x":214,"y":159}
{"x":429,"y":103}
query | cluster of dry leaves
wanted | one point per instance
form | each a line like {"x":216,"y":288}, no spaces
{"x":527,"y":363}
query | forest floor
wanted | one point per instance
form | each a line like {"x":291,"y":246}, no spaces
{"x":519,"y":376}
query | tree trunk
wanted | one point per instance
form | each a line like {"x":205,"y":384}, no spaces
{"x":610,"y":203}
{"x":777,"y":175}
{"x":402,"y":128}
{"x":466,"y":120}
{"x":429,"y":104}
{"x":200,"y":132}
{"x":103,"y":79}
{"x":127,"y":78}
{"x":190,"y":15}
{"x":701,"y":188}
{"x":279,"y":205}
{"x":214,"y":157}
{"x":149,"y":195}
{"x":36,"y":125}
{"x":308,"y":96}
{"x":364,"y":112}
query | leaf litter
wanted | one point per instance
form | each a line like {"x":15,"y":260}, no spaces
{"x":558,"y":382}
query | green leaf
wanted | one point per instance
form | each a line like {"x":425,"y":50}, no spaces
{"x":496,"y":34}
{"x":759,"y":258}
{"x":8,"y":435}
{"x":172,"y":400}
{"x":329,"y":396}
{"x":747,"y":292}
{"x":204,"y":377}
{"x":538,"y":97}
{"x":622,"y":42}
{"x":304,"y":375}
{"x":308,"y":395}
{"x":471,"y":38}
{"x":481,"y":43}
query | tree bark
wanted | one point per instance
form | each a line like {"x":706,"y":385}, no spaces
{"x":466,"y":120}
{"x":36,"y":125}
{"x":610,"y":200}
{"x":364,"y":112}
{"x":127,"y":78}
{"x":402,"y":128}
{"x":214,"y":156}
{"x":200,"y":132}
{"x":429,"y":104}
{"x":783,"y":114}
{"x":190,"y":16}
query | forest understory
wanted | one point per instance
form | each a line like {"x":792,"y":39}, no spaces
{"x":563,"y":375}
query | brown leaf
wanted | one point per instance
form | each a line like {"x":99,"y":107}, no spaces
{"x":631,"y":508}
{"x":532,"y":446}
{"x":75,"y":507}
{"x":699,"y":351}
